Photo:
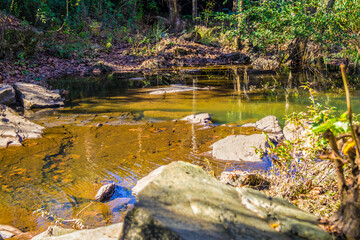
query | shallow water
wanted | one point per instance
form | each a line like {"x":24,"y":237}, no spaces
{"x":113,"y":130}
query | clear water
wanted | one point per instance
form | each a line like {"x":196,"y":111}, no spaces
{"x":62,"y":171}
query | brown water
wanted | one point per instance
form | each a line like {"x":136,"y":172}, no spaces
{"x":62,"y":171}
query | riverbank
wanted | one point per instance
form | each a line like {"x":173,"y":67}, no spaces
{"x":96,"y":59}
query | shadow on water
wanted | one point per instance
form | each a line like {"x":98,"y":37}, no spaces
{"x":113,"y":130}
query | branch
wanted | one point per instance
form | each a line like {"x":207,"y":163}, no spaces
{"x":329,"y":135}
{"x":348,"y":102}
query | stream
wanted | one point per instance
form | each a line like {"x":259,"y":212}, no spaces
{"x":113,"y":130}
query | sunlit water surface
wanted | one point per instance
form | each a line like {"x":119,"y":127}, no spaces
{"x":113,"y":130}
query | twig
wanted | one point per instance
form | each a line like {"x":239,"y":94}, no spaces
{"x":83,"y":209}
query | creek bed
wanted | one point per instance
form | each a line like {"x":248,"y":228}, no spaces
{"x":113,"y":130}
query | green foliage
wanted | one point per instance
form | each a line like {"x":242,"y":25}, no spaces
{"x":77,"y":14}
{"x":269,"y":25}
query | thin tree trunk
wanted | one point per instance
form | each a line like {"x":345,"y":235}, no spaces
{"x":194,"y":10}
{"x":235,"y":5}
{"x":134,"y":8}
{"x":237,"y":8}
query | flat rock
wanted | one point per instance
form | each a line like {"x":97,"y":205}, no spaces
{"x":15,"y":128}
{"x":173,"y":88}
{"x":7,"y":231}
{"x":184,"y":202}
{"x":266,"y":124}
{"x":242,"y":147}
{"x":35,"y":96}
{"x":7,"y":94}
{"x":198,"y":118}
{"x":111,"y":232}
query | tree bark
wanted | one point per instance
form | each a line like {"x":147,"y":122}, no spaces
{"x":237,"y":8}
{"x":194,"y":10}
{"x":176,"y":24}
{"x":347,"y":217}
{"x":235,"y":5}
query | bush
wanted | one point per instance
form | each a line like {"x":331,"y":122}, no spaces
{"x":17,"y":39}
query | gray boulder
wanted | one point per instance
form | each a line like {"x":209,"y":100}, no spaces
{"x":243,"y":147}
{"x":184,"y":202}
{"x":198,"y":118}
{"x":105,"y":192}
{"x":14,"y":128}
{"x":7,"y":94}
{"x":111,"y":232}
{"x":142,"y":183}
{"x":295,"y":131}
{"x":35,"y":96}
{"x":266,"y":124}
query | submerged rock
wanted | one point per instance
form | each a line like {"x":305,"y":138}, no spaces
{"x":14,"y":128}
{"x":184,"y":202}
{"x":7,"y":94}
{"x":105,"y":192}
{"x":173,"y":88}
{"x":198,"y":118}
{"x":35,"y":96}
{"x":242,"y":147}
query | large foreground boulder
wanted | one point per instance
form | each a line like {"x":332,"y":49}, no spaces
{"x":184,"y":202}
{"x":7,"y":94}
{"x":14,"y":128}
{"x":35,"y":96}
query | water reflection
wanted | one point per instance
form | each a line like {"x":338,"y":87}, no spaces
{"x":112,"y":130}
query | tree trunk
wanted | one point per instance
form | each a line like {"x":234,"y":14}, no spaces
{"x":235,"y":5}
{"x":194,"y":10}
{"x":347,"y":217}
{"x":176,"y":24}
{"x":237,"y":8}
{"x":297,"y":52}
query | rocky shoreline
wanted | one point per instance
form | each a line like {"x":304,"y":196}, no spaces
{"x":182,"y":201}
{"x":14,"y":129}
